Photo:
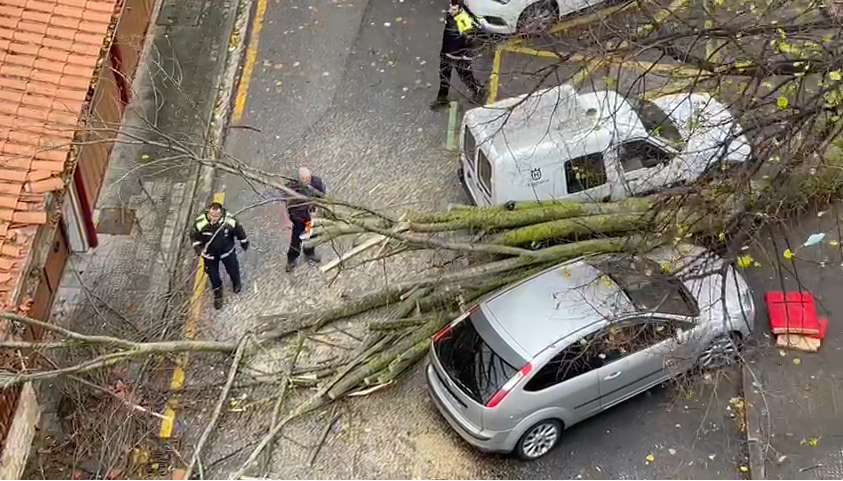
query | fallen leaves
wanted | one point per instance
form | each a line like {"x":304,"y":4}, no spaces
{"x":747,"y":261}
{"x":650,"y":458}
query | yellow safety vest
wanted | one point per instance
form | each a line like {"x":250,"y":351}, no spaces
{"x":464,"y":21}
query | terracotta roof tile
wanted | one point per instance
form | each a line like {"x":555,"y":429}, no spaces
{"x":48,"y":52}
{"x":46,"y":185}
{"x":11,"y":11}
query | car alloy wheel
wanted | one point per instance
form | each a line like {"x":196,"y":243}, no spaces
{"x":537,"y":19}
{"x":722,"y":351}
{"x":539,"y":440}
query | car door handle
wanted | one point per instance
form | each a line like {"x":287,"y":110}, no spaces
{"x":612,"y":376}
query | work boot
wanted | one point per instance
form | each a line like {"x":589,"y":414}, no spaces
{"x":290,"y":266}
{"x":237,"y":288}
{"x":439,"y":103}
{"x":313,"y":257}
{"x":218,"y":299}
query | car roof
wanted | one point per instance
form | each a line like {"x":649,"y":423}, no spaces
{"x":553,"y":304}
{"x":552,"y":123}
{"x":568,"y":297}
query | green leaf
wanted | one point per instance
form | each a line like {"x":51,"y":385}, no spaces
{"x":782,"y":102}
{"x":835,"y":75}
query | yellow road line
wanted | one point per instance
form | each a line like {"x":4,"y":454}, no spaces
{"x":495,"y":80}
{"x":249,"y":67}
{"x":190,"y":324}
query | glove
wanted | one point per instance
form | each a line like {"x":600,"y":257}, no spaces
{"x":244,"y":245}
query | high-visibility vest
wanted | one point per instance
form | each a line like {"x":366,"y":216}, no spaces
{"x":464,"y":21}
{"x":308,"y":231}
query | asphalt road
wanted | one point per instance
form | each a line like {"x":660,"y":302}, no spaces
{"x":342,"y":86}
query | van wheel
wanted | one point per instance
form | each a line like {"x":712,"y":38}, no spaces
{"x":539,"y":440}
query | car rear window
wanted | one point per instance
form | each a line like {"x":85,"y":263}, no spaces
{"x":469,"y":360}
{"x":469,"y":145}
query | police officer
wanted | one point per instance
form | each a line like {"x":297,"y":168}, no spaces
{"x":214,"y":235}
{"x":457,"y":52}
{"x":299,"y":210}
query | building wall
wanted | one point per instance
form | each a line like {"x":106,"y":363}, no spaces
{"x":19,"y":409}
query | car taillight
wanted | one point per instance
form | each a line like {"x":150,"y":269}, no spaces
{"x":450,"y":327}
{"x":444,"y":332}
{"x":501,"y":394}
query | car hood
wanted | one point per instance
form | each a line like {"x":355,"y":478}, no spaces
{"x":708,"y":129}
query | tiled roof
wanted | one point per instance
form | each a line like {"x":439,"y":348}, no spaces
{"x":48,"y":53}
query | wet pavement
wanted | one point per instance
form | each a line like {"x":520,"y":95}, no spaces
{"x":796,"y":397}
{"x":343,"y":87}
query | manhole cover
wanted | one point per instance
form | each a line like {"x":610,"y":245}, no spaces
{"x":116,"y":221}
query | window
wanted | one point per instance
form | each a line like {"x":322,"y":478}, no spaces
{"x":656,"y":121}
{"x":600,"y":349}
{"x":579,"y":358}
{"x":585,"y":172}
{"x":648,"y":287}
{"x":471,"y":363}
{"x":633,"y":336}
{"x":484,"y":171}
{"x":469,"y":145}
{"x":640,"y":154}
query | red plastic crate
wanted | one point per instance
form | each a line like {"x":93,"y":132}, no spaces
{"x":794,"y":313}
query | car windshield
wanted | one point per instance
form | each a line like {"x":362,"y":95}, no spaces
{"x":656,"y":121}
{"x":478,"y":369}
{"x":648,"y":287}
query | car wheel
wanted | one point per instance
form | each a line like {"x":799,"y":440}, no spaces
{"x":538,"y":18}
{"x":539,"y":440}
{"x":722,"y":351}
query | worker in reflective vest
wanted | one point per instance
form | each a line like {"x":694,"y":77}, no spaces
{"x":214,"y":238}
{"x":457,"y":52}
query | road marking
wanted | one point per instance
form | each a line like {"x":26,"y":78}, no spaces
{"x":249,"y":67}
{"x":451,"y":142}
{"x":190,"y":324}
{"x":495,"y":79}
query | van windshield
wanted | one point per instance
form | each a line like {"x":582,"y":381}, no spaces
{"x":472,"y":363}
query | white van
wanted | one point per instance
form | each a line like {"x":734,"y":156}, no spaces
{"x":557,"y":144}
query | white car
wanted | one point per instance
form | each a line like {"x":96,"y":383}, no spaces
{"x":557,"y":144}
{"x":523,"y":16}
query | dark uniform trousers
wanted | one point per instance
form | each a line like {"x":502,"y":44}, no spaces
{"x":299,"y":226}
{"x":212,"y":268}
{"x":463,"y":67}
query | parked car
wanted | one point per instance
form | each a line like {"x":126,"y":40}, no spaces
{"x":581,"y":337}
{"x":523,"y":16}
{"x":559,"y":144}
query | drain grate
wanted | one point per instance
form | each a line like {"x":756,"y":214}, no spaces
{"x":116,"y":221}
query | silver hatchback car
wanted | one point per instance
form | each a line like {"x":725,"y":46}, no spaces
{"x":576,"y":339}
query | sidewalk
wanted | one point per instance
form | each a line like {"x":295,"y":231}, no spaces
{"x":795,"y":399}
{"x":125,"y":287}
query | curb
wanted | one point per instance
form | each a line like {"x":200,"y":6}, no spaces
{"x":200,"y":185}
{"x":754,"y":413}
{"x":215,"y":131}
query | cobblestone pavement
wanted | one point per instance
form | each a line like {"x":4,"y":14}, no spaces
{"x":343,"y":87}
{"x":795,"y":398}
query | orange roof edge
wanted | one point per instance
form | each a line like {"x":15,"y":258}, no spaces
{"x":45,"y":84}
